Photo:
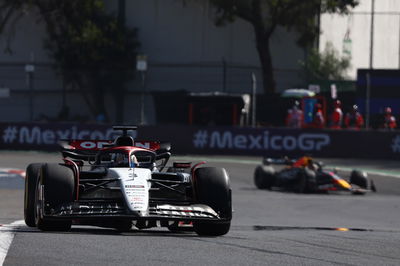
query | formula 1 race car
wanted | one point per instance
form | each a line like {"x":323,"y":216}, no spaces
{"x":304,"y":175}
{"x":125,"y":182}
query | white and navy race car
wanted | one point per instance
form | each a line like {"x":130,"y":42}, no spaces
{"x":126,"y":182}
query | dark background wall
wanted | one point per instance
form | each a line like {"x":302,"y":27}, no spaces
{"x":262,"y":141}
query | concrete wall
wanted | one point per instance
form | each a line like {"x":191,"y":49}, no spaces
{"x":386,"y":47}
{"x":184,"y":47}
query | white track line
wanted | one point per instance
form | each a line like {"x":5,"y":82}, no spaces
{"x":7,"y":232}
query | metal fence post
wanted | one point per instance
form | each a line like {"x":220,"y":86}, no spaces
{"x":253,"y":99}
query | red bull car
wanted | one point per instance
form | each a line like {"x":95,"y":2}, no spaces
{"x":125,"y":182}
{"x":304,"y":175}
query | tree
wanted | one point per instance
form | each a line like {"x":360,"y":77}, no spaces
{"x":10,"y":12}
{"x":92,"y":50}
{"x":266,"y":15}
{"x":327,"y":65}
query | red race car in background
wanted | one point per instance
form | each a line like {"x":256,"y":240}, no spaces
{"x":304,"y":175}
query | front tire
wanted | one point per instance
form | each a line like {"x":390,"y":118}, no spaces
{"x":123,"y":226}
{"x":359,"y":178}
{"x":213,"y":189}
{"x":31,"y":179}
{"x":58,"y":185}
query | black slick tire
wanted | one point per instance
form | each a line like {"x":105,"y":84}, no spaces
{"x":359,"y":178}
{"x":58,"y":186}
{"x":31,"y":179}
{"x":307,"y":182}
{"x":264,"y":177}
{"x":212,"y":188}
{"x":123,"y":226}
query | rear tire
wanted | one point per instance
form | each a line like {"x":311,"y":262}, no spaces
{"x":213,"y":189}
{"x":31,"y":179}
{"x":359,"y":178}
{"x":264,"y":177}
{"x":58,"y":187}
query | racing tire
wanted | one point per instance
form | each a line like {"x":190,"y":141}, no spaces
{"x":31,"y":178}
{"x":311,"y":181}
{"x":307,"y":181}
{"x":264,"y":177}
{"x":359,"y":178}
{"x":301,"y":186}
{"x":58,"y":185}
{"x":212,"y":188}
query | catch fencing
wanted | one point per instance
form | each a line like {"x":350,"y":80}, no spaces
{"x":41,"y":95}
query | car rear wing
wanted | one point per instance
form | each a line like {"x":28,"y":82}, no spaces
{"x":278,"y":161}
{"x":87,"y":149}
{"x":97,"y":145}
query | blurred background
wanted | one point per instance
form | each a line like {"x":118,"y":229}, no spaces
{"x":319,"y":65}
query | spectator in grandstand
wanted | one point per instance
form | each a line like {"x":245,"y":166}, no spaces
{"x":389,"y":121}
{"x":336,"y":116}
{"x":319,"y":120}
{"x":353,"y":119}
{"x":294,"y":118}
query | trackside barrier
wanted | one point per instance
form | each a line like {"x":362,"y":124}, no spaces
{"x":274,"y":142}
{"x":45,"y":136}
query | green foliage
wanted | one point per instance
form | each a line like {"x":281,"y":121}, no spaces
{"x":291,"y":14}
{"x":10,"y":12}
{"x":327,"y":65}
{"x":92,"y":50}
{"x":82,"y":35}
{"x":266,"y":15}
